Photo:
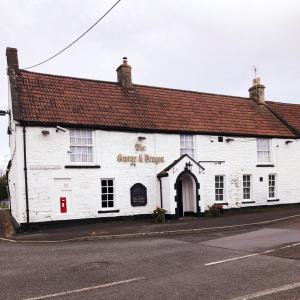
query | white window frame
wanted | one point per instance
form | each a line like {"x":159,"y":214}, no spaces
{"x":274,"y":186}
{"x":107,"y":193}
{"x":219,"y":188}
{"x":184,"y":149}
{"x":250,"y":187}
{"x":91,"y":145}
{"x":262,"y":149}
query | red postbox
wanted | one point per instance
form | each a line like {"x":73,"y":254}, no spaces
{"x":63,"y":205}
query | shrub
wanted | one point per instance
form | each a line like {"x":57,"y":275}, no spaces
{"x":215,"y":210}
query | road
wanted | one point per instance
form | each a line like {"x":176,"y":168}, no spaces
{"x":260,"y":262}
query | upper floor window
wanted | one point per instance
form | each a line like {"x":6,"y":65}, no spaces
{"x":263,"y":150}
{"x":138,"y":195}
{"x":81,"y":145}
{"x":187,"y":144}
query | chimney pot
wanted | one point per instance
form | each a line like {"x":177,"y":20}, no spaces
{"x":12,"y":58}
{"x":124,"y":74}
{"x":257,"y":91}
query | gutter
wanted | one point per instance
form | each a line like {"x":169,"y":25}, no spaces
{"x":25,"y":176}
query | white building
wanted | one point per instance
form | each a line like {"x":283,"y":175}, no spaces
{"x":93,"y":149}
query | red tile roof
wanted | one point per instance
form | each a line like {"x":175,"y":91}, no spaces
{"x":58,"y":100}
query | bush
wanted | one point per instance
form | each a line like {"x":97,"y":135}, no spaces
{"x":215,"y":210}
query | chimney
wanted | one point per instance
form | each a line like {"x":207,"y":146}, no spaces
{"x":124,"y":74}
{"x":257,"y":91}
{"x":12,"y":58}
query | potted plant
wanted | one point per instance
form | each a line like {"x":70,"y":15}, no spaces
{"x":159,"y":215}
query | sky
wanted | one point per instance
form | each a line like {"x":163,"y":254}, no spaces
{"x":201,"y":45}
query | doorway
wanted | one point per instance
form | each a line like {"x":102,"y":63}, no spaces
{"x":187,"y":195}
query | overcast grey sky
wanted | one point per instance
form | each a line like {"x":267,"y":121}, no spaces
{"x":201,"y":45}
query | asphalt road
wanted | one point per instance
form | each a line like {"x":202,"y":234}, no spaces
{"x":220,"y":265}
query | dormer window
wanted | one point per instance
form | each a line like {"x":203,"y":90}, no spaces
{"x":81,"y":146}
{"x":263,"y":150}
{"x":187,"y":144}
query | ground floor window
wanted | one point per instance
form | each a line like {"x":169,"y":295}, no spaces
{"x":272,"y":185}
{"x":219,"y":188}
{"x":138,"y":195}
{"x":247,"y":187}
{"x":107,"y":193}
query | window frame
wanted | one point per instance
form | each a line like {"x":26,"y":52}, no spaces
{"x":184,"y":149}
{"x":274,"y":186}
{"x":107,"y":193}
{"x":250,"y":199}
{"x":218,"y":188}
{"x":258,"y":151}
{"x":92,"y":146}
{"x":131,"y":194}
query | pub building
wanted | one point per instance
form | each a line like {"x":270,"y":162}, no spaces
{"x":86,"y":149}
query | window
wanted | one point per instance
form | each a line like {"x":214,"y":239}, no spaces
{"x":220,"y":139}
{"x":272,"y":186}
{"x":81,"y":146}
{"x":263,"y":150}
{"x":138,"y":195}
{"x":187,"y":144}
{"x":107,"y":193}
{"x":247,"y":187}
{"x":219,"y":188}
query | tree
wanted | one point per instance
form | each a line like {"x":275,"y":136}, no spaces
{"x":3,"y":191}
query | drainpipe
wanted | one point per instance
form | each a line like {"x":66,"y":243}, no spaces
{"x":161,"y":197}
{"x":25,"y":175}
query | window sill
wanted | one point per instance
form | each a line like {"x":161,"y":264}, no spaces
{"x":248,"y":202}
{"x":108,"y":211}
{"x":82,"y":167}
{"x":265,"y":166}
{"x":220,"y":202}
{"x":272,"y":200}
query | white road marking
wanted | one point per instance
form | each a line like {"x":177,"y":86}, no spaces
{"x":85,"y":289}
{"x":7,"y":240}
{"x":231,"y":259}
{"x":250,"y":255}
{"x":269,"y":292}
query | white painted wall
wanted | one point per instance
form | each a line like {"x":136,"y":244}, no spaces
{"x":240,"y":158}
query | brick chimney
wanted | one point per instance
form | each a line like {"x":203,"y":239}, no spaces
{"x":12,"y":58}
{"x":257,"y":91}
{"x":124,"y":74}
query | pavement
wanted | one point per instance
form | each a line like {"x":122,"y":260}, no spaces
{"x":147,"y":228}
{"x":259,"y":261}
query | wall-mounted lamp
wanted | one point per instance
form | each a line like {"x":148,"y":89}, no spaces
{"x":141,"y":138}
{"x":228,"y":140}
{"x":188,"y":166}
{"x":288,"y":142}
{"x":4,"y":112}
{"x":58,"y":128}
{"x":45,"y":132}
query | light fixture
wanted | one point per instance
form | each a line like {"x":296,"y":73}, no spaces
{"x":288,"y":142}
{"x":45,"y":132}
{"x":4,"y":112}
{"x":141,"y":138}
{"x":58,"y":128}
{"x":188,"y":166}
{"x":229,"y":140}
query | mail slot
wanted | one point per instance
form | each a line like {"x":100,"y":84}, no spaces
{"x":63,"y":205}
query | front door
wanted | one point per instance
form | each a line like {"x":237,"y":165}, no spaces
{"x":179,"y":199}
